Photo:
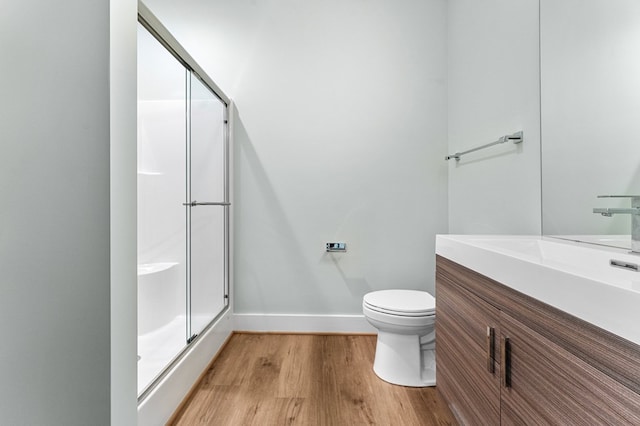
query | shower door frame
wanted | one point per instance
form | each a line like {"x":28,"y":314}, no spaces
{"x":190,"y":204}
{"x":162,"y":35}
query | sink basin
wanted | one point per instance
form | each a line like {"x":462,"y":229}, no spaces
{"x":574,"y":277}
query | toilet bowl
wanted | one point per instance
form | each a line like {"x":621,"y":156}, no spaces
{"x":405,"y":350}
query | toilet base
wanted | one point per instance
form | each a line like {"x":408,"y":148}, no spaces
{"x":401,"y":360}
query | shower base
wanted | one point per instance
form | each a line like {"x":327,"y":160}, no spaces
{"x":158,"y":348}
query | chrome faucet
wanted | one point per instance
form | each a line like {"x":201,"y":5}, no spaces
{"x":634,"y":211}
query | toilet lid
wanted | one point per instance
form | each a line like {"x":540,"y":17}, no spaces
{"x":401,"y":302}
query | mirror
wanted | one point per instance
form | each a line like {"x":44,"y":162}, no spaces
{"x":590,"y":116}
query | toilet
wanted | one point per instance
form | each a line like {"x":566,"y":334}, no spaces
{"x":405,"y":350}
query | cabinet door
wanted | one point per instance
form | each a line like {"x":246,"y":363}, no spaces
{"x":467,"y":368}
{"x":548,"y":385}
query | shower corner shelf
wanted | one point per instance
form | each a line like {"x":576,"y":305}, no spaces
{"x":152,"y":268}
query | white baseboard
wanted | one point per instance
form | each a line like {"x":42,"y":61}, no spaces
{"x":158,"y":407}
{"x":294,"y":323}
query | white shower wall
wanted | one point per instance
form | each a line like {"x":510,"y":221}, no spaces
{"x":161,"y":235}
{"x":161,"y":181}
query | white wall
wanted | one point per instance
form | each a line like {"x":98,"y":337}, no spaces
{"x":340,"y":137}
{"x":493,"y":70}
{"x":67,"y":124}
{"x":55,"y":289}
{"x":123,"y":128}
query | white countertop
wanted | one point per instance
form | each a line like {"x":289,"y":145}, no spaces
{"x":573,"y":277}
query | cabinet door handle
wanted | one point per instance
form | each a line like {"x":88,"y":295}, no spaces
{"x":491,"y":349}
{"x":505,"y":364}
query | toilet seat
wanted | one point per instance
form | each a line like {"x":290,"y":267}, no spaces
{"x":405,"y":303}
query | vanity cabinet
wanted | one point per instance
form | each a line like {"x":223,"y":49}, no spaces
{"x":505,"y":358}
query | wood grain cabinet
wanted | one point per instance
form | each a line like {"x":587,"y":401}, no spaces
{"x":505,"y":358}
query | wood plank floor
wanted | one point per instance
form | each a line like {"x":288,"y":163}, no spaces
{"x":273,"y":379}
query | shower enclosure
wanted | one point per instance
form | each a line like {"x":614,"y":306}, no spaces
{"x":183,"y":208}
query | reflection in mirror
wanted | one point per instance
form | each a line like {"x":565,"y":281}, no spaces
{"x":590,"y":114}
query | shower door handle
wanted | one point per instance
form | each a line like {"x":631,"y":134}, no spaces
{"x":206,"y":203}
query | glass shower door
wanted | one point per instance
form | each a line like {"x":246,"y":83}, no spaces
{"x":162,"y":236}
{"x":183,"y":209}
{"x":208,"y":209}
